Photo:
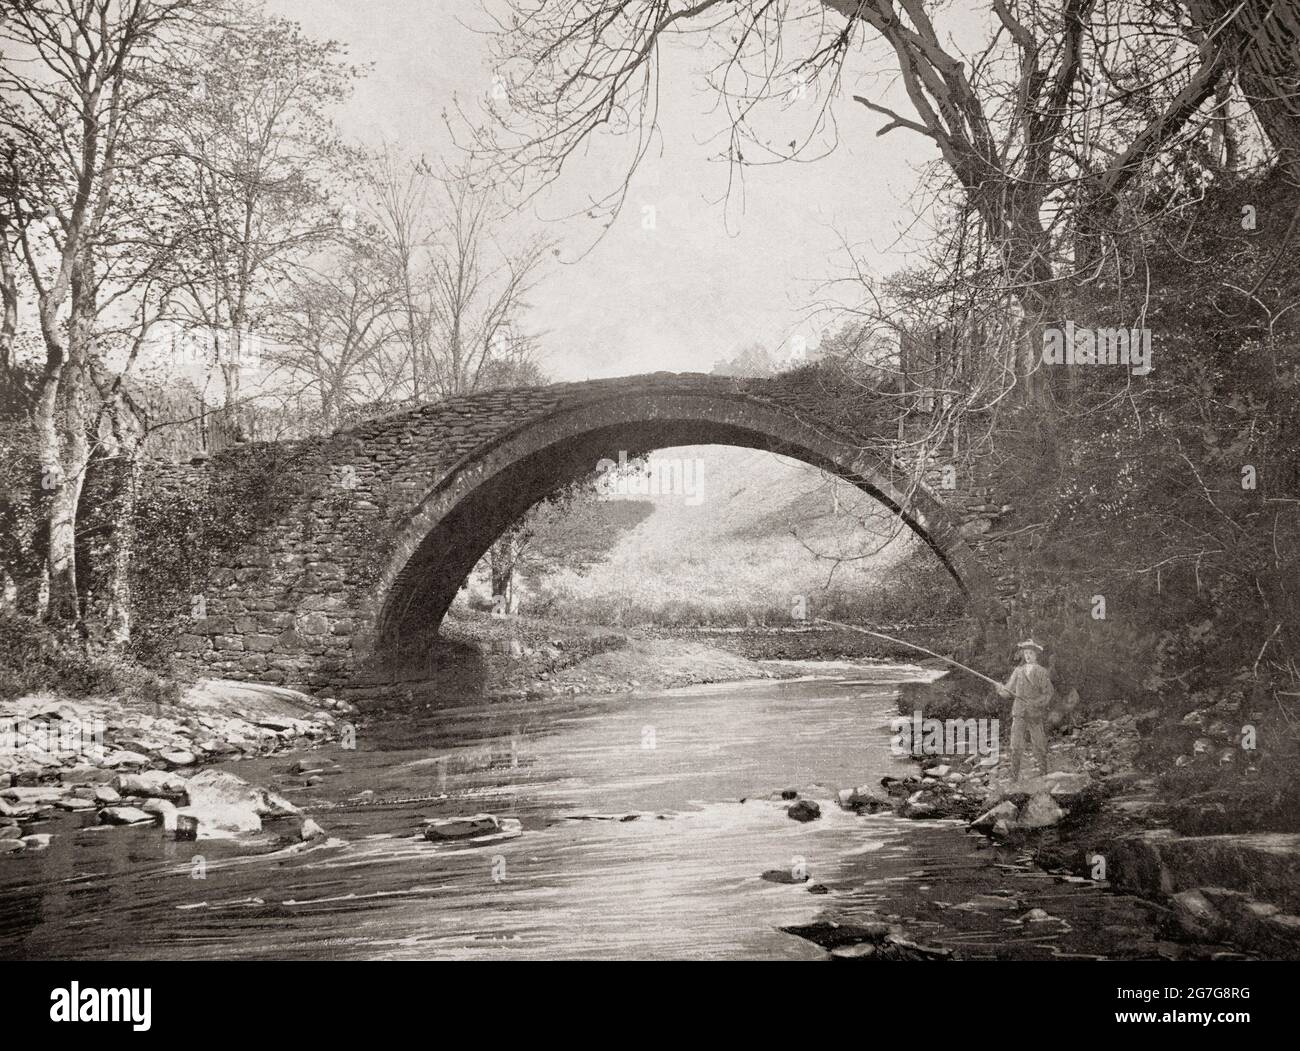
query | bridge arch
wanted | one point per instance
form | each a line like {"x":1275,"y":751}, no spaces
{"x":477,"y":498}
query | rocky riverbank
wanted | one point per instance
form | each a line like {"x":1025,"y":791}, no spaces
{"x":133,"y":761}
{"x":1117,"y":808}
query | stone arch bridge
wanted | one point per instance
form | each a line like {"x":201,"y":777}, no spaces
{"x":374,"y":528}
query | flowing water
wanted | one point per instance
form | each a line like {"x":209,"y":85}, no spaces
{"x":647,"y":820}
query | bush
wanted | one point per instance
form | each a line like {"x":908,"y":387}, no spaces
{"x":35,"y":658}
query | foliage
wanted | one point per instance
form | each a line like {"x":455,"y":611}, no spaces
{"x":195,"y":523}
{"x":35,"y":658}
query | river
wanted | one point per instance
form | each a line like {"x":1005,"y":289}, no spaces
{"x":647,"y":820}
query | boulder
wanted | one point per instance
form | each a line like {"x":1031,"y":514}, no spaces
{"x":785,"y":876}
{"x":1069,"y":788}
{"x":862,"y":800}
{"x":461,"y":827}
{"x":179,"y":758}
{"x":1196,"y":916}
{"x":315,"y":765}
{"x":123,"y":815}
{"x":1040,"y":812}
{"x":804,"y":810}
{"x":310,"y":830}
{"x":153,"y":784}
{"x":38,"y":841}
{"x":164,"y":812}
{"x":473,"y":830}
{"x":220,"y":787}
{"x":18,"y":810}
{"x":34,"y":796}
{"x":276,"y":723}
{"x":123,"y":757}
{"x":223,"y":805}
{"x":216,"y":821}
{"x":1156,"y":863}
{"x":1004,"y":811}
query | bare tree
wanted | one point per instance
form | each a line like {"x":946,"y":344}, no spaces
{"x":78,"y":114}
{"x":335,"y":334}
{"x":462,"y":293}
{"x":1013,"y":116}
{"x":258,"y":156}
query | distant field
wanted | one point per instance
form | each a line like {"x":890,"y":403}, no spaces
{"x":753,"y":538}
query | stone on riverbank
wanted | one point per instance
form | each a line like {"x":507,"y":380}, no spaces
{"x":123,"y":815}
{"x":216,"y":821}
{"x":862,"y":800}
{"x":476,"y":829}
{"x":1196,"y":916}
{"x":222,"y":805}
{"x":799,"y":875}
{"x":1158,"y":863}
{"x":804,"y":810}
{"x":153,"y":784}
{"x":310,"y":830}
{"x":179,"y":758}
{"x":1040,"y":812}
{"x":870,"y":940}
{"x":164,"y":812}
{"x":1005,"y":811}
{"x":460,"y":827}
{"x":1211,"y":913}
{"x":33,"y":796}
{"x":118,"y":759}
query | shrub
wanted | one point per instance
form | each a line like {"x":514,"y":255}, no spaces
{"x":35,"y":658}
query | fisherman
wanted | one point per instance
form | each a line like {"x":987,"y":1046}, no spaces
{"x":1031,"y":686}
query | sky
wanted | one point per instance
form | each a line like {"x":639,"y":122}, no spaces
{"x":713,"y":274}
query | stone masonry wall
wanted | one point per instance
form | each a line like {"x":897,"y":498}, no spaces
{"x":291,"y":602}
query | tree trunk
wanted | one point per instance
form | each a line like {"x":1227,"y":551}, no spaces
{"x":64,"y":458}
{"x":1263,"y":40}
{"x":8,"y":324}
{"x":118,"y":614}
{"x":503,"y":557}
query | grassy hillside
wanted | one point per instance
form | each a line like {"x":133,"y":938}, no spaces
{"x":739,"y":542}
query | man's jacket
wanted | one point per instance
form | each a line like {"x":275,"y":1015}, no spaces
{"x":1032,"y":686}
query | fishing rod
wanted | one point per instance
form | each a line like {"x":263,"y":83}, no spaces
{"x":913,"y":645}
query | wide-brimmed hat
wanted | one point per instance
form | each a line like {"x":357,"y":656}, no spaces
{"x":1030,"y":644}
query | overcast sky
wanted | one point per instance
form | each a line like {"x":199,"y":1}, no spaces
{"x":710,"y":277}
